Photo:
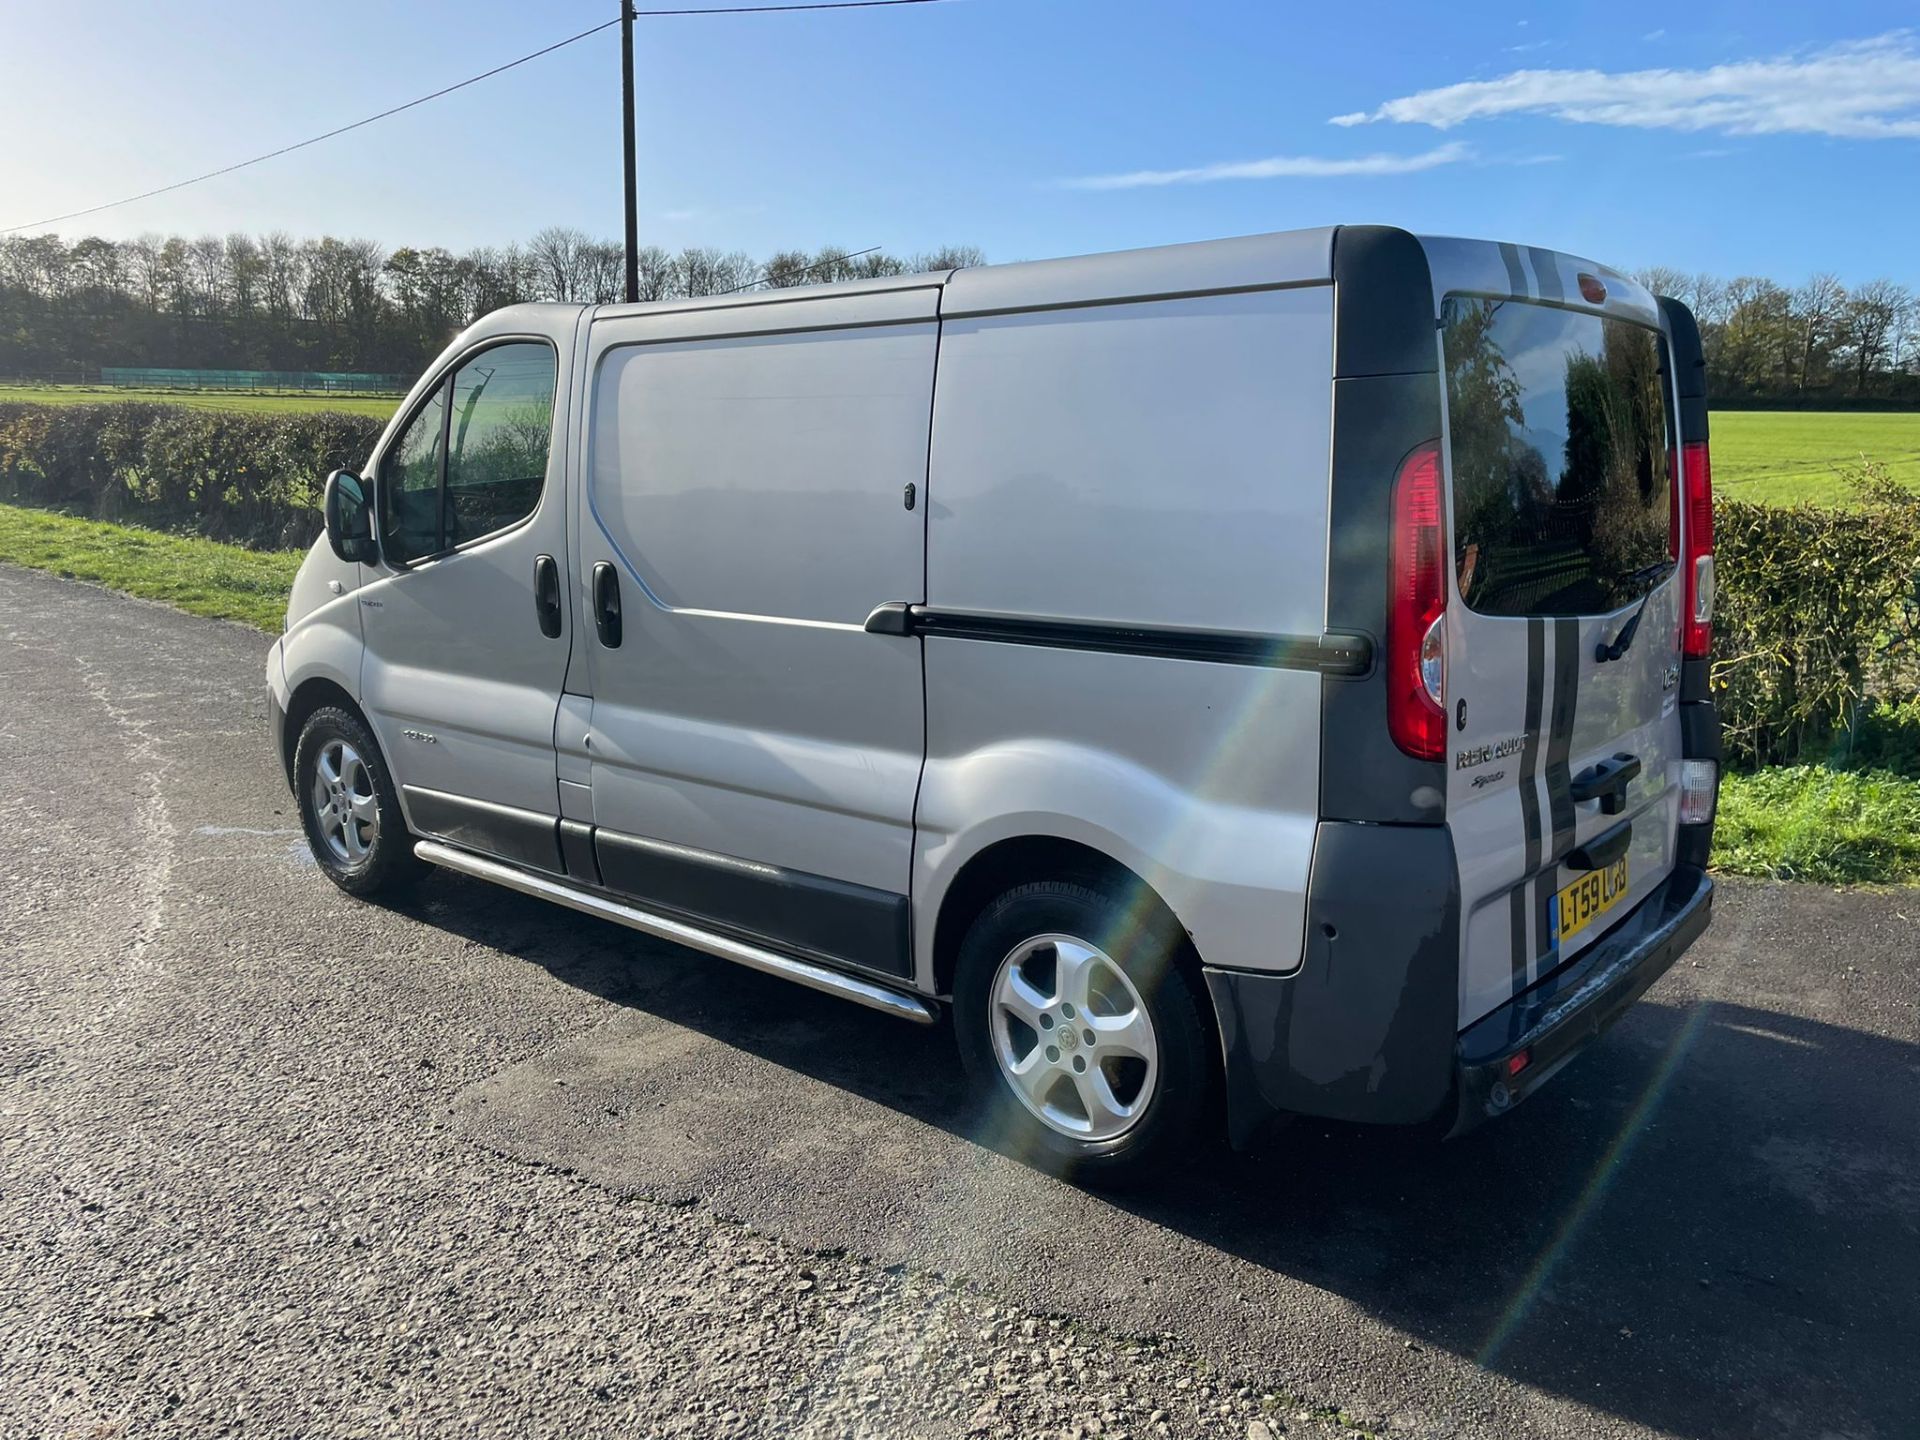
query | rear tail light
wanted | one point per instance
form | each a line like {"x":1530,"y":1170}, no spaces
{"x":1696,"y":550}
{"x":1699,"y":783}
{"x":1416,"y":666}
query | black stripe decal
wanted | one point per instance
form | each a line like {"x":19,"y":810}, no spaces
{"x":1329,"y":654}
{"x":1547,"y":271}
{"x":1566,"y":694}
{"x":1516,"y":273}
{"x":1566,"y":691}
{"x":1529,"y":796}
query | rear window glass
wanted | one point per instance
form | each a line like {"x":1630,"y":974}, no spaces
{"x":1561,"y":492}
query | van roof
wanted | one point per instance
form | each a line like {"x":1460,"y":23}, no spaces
{"x":1284,"y":257}
{"x":928,"y":280}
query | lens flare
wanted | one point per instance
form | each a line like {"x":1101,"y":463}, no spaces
{"x":1609,"y":1165}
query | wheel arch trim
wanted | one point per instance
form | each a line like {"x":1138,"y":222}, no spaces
{"x":997,"y":863}
{"x":314,"y":692}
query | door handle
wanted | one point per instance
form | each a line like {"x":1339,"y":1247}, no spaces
{"x":1599,"y":853}
{"x":1606,"y":782}
{"x":606,"y":604}
{"x":893,"y":618}
{"x":546,"y":595}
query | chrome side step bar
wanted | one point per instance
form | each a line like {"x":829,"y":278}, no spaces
{"x":803,"y":972}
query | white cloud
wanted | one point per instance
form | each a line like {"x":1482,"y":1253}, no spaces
{"x":1278,"y":167}
{"x":1863,"y":89}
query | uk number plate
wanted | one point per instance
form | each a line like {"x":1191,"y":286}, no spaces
{"x":1578,"y":905}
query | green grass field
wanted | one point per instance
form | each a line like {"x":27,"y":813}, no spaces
{"x":1782,"y":456}
{"x":378,"y":406}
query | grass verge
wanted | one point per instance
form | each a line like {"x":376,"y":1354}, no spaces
{"x":1819,"y":823}
{"x":202,"y":577}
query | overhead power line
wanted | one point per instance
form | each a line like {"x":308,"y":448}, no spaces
{"x":315,"y":140}
{"x":766,"y":270}
{"x":460,"y":85}
{"x":774,"y":9}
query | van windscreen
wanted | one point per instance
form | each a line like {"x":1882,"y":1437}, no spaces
{"x":1559,"y":429}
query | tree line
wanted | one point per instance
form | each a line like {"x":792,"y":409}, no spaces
{"x":271,"y":302}
{"x":1812,"y":344}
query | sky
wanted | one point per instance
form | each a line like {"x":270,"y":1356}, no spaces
{"x":1725,"y":137}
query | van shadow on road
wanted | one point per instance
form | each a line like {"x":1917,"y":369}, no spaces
{"x":1707,"y":1225}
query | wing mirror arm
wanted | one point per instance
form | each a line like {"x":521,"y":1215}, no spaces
{"x":348,"y":509}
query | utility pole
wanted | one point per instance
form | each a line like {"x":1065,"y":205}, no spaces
{"x":626,"y":135}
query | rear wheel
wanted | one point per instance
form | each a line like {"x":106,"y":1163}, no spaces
{"x":1080,"y":1031}
{"x":348,"y":806}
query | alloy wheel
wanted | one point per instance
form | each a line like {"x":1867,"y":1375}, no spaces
{"x":1073,"y":1037}
{"x":345,"y":808}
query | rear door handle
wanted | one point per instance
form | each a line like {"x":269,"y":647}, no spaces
{"x":1602,"y":851}
{"x":1606,"y":782}
{"x":546,"y":595}
{"x":606,"y":604}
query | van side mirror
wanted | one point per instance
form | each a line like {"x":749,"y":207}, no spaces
{"x":349,"y":513}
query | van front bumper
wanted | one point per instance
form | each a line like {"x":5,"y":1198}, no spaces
{"x":1365,"y":1029}
{"x":277,"y":709}
{"x":277,"y":732}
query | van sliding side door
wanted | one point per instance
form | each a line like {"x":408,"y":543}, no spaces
{"x":753,"y":489}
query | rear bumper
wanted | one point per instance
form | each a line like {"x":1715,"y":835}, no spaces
{"x":1555,"y":1020}
{"x":1366,"y":1029}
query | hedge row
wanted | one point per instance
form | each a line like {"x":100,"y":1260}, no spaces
{"x":254,"y":479}
{"x":1818,"y":614}
{"x":1819,"y":608}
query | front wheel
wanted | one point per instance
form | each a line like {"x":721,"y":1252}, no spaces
{"x":1080,"y":1031}
{"x":348,"y":806}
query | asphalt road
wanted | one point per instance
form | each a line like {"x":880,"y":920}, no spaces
{"x":273,"y":1162}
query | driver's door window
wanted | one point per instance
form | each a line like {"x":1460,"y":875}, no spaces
{"x":473,"y":461}
{"x":501,"y":431}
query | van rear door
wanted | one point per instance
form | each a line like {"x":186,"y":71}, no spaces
{"x":1562,"y":644}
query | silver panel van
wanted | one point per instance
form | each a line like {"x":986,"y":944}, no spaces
{"x":1240,"y":679}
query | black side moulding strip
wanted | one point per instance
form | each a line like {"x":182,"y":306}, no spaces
{"x":1327,"y":654}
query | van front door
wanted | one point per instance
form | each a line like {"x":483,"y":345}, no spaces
{"x":466,"y":617}
{"x":754,"y":489}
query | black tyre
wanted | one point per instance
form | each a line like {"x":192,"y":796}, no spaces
{"x":348,"y":806}
{"x":1081,"y":1032}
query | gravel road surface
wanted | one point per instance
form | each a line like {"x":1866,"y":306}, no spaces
{"x":277,"y":1163}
